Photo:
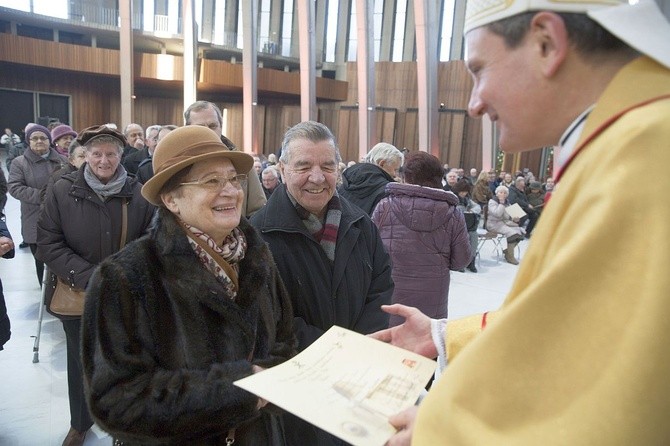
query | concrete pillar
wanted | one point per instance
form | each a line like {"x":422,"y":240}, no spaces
{"x":190,"y":33}
{"x":425,"y":13}
{"x":367,"y":134}
{"x":126,"y":62}
{"x":307,"y":60}
{"x":250,"y":75}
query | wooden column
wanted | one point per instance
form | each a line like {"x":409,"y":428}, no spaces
{"x":365,"y":66}
{"x":307,"y":64}
{"x":126,"y":63}
{"x":425,"y":14}
{"x":250,"y":75}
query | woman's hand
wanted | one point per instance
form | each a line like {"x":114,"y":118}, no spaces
{"x":413,"y":334}
{"x":404,"y":422}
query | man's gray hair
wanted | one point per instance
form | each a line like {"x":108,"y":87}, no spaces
{"x":127,"y":129}
{"x":312,"y":131}
{"x":201,"y":105}
{"x":384,"y":152}
{"x":150,"y":129}
{"x":519,"y":180}
{"x":271,"y":170}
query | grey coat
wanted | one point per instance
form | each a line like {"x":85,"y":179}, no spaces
{"x":28,"y":174}
{"x":499,"y":220}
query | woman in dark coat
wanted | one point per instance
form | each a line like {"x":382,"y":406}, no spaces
{"x":176,"y":317}
{"x":425,"y":235}
{"x":80,"y":225}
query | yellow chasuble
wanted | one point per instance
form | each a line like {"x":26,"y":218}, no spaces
{"x":579,"y":353}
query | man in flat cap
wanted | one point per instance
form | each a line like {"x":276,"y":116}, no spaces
{"x":578,"y":353}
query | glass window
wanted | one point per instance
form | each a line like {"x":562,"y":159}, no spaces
{"x":287,"y":28}
{"x":264,"y":43}
{"x":399,"y":30}
{"x":148,"y":15}
{"x":447,"y":30}
{"x":377,"y":22}
{"x":332,"y":23}
{"x":353,"y":40}
{"x":219,"y":32}
{"x":52,"y":8}
{"x":21,"y":5}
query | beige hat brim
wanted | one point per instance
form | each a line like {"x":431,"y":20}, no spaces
{"x":242,"y":162}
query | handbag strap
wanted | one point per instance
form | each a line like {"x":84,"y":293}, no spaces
{"x":124,"y":222}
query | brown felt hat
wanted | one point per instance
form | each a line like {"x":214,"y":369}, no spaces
{"x":186,"y":146}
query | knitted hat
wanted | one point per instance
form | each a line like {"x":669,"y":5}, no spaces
{"x":39,"y":128}
{"x":186,"y":146}
{"x":535,"y":185}
{"x":62,"y":130}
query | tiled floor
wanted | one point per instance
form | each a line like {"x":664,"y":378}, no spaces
{"x":33,"y":396}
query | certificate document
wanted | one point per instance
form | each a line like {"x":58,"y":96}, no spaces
{"x":515,"y":211}
{"x":347,"y":384}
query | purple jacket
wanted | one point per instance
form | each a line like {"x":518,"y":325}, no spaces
{"x":425,"y":236}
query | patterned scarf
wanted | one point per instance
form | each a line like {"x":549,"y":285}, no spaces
{"x":325,"y":234}
{"x":222,"y":261}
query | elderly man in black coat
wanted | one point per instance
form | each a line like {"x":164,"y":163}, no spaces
{"x":328,"y":251}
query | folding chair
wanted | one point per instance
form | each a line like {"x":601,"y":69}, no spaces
{"x":483,"y":236}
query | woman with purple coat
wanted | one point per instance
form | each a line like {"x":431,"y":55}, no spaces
{"x":425,"y":236}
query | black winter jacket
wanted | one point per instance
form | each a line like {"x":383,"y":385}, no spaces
{"x":348,"y":292}
{"x":163,"y":342}
{"x":363,"y":184}
{"x":76,"y":230}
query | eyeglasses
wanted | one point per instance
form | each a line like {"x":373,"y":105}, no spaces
{"x":216,"y":183}
{"x":39,"y":138}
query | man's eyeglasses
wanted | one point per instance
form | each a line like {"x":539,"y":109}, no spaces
{"x":39,"y":138}
{"x":216,"y":183}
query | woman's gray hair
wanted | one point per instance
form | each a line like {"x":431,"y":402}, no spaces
{"x":104,"y":139}
{"x":310,"y":130}
{"x":384,"y":152}
{"x":503,"y":188}
{"x":74,"y":145}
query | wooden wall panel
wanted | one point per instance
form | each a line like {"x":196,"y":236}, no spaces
{"x":445,"y":122}
{"x":455,"y":138}
{"x":274,"y":129}
{"x":43,"y":53}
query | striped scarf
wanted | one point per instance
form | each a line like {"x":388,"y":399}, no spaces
{"x":325,"y":234}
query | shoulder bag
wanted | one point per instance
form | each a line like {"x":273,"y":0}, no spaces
{"x":67,"y":299}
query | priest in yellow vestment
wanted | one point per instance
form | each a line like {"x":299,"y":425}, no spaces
{"x":579,"y":353}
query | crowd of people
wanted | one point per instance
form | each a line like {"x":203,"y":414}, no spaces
{"x":250,"y":260}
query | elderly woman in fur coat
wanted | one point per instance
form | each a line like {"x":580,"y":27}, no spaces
{"x":173,"y":319}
